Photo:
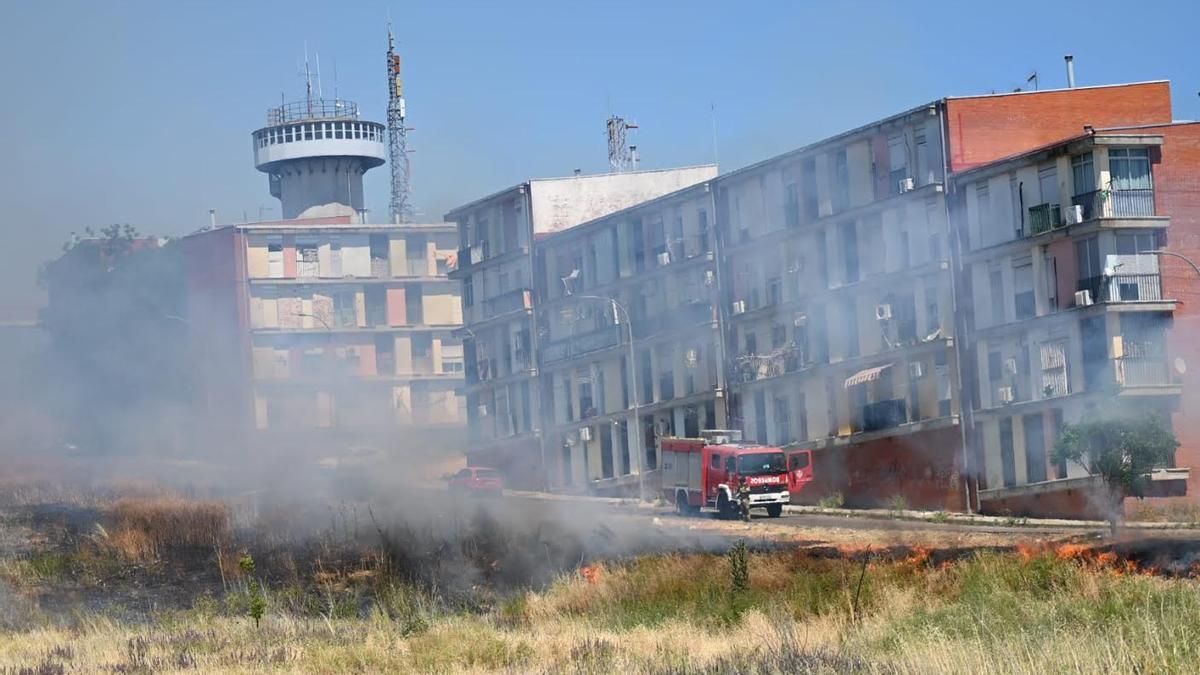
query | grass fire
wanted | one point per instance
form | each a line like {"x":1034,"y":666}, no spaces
{"x":140,"y":580}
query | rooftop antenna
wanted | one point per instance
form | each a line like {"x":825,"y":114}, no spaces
{"x":320,"y":94}
{"x":712,"y":106}
{"x":400,"y":207}
{"x":307,"y":80}
{"x":620,"y":156}
{"x":1034,"y":79}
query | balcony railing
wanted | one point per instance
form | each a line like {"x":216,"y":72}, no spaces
{"x":885,"y":414}
{"x":380,"y":268}
{"x":1133,"y":203}
{"x":577,"y":345}
{"x":1123,"y":287}
{"x":688,"y":315}
{"x":1043,"y":218}
{"x":521,"y":298}
{"x":1142,"y":371}
{"x":751,"y":367}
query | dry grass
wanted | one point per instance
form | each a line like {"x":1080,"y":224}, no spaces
{"x":144,"y":527}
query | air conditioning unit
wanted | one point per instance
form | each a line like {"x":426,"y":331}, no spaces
{"x":585,"y":434}
{"x":664,"y":258}
{"x":1083,"y":298}
{"x":916,"y":370}
{"x":883,"y":312}
{"x":1005,"y":395}
{"x":739,"y":307}
{"x":801,"y":319}
{"x":482,"y":410}
{"x":906,"y":184}
{"x":1010,"y":366}
{"x":710,"y":278}
{"x":1074,"y":214}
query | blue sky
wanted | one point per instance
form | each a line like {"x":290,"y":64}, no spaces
{"x":141,"y":112}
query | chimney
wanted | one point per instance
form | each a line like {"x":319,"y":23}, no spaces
{"x":1070,"y":71}
{"x":212,"y":218}
{"x":633,"y":158}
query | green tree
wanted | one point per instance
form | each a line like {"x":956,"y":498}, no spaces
{"x":1121,"y":451}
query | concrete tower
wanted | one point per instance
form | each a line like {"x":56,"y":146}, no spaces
{"x":316,"y":152}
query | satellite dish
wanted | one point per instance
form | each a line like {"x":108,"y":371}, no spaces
{"x":1180,"y":365}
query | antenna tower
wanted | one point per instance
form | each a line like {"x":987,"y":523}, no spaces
{"x":400,"y":207}
{"x":620,"y":153}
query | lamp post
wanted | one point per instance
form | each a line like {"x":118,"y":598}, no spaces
{"x":618,"y":309}
{"x":1177,"y":255}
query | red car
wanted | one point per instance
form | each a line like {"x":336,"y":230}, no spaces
{"x":477,"y":481}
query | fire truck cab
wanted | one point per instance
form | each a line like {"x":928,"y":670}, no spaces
{"x":700,"y":472}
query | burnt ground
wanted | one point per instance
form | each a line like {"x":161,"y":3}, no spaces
{"x":472,"y":550}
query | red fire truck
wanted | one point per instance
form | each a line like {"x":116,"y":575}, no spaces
{"x":699,"y":472}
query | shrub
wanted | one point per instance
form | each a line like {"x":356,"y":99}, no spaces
{"x":833,"y":500}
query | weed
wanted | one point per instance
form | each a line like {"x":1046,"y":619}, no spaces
{"x":739,"y":569}
{"x":897,"y":503}
{"x":940,"y":517}
{"x":833,"y":500}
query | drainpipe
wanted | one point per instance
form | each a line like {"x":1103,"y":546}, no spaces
{"x":722,"y":323}
{"x":966,"y":410}
{"x":534,"y":352}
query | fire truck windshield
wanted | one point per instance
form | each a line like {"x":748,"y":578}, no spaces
{"x":760,"y":463}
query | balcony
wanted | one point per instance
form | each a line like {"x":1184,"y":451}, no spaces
{"x":1135,"y":203}
{"x":1142,"y":371}
{"x":519,"y":299}
{"x":578,"y":345}
{"x":1123,"y":287}
{"x":471,"y":255}
{"x":1043,"y":218}
{"x":380,"y":268}
{"x":884,"y":414}
{"x":751,"y":367}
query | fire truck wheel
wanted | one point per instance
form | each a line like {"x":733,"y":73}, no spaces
{"x":681,"y":503}
{"x":774,"y":510}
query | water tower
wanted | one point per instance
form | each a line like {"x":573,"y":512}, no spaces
{"x":315,"y":153}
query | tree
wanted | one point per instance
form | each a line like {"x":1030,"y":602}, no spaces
{"x":1121,"y":451}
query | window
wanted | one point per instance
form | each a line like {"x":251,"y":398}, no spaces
{"x":1130,"y":168}
{"x":1054,"y":369}
{"x":791,"y":205}
{"x":996,"y":281}
{"x":822,"y":260}
{"x":774,"y":291}
{"x":983,"y":207}
{"x":783,"y":423}
{"x":933,"y":318}
{"x":924,"y":176}
{"x":995,"y":368}
{"x":1007,"y":461}
{"x":1024,"y":300}
{"x":1083,"y":174}
{"x":1087,"y":258}
{"x":898,"y":163}
{"x":778,"y":335}
{"x":345,"y":312}
{"x":714,"y":461}
{"x":849,"y":239}
{"x":841,"y":181}
{"x":808,"y":178}
{"x":1035,"y":449}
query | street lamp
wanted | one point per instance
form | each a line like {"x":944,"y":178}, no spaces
{"x":618,"y":309}
{"x":1181,"y":257}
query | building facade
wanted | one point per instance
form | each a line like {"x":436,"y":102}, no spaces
{"x":838,"y":297}
{"x":331,"y":326}
{"x":1070,"y":314}
{"x":497,"y":235}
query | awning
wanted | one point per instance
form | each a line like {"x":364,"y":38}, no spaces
{"x":868,"y":375}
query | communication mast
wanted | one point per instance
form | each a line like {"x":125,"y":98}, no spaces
{"x":400,"y":207}
{"x":621,"y":155}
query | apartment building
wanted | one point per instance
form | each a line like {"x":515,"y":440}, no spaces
{"x":495,"y":265}
{"x":646,"y":274}
{"x":328,"y":326}
{"x":840,"y":320}
{"x":1069,"y":314}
